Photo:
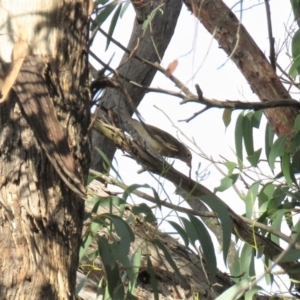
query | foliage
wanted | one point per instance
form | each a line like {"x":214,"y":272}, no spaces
{"x":271,"y":198}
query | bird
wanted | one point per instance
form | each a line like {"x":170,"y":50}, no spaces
{"x":157,"y":140}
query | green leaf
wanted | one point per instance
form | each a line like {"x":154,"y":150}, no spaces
{"x":296,"y":162}
{"x":266,"y":193}
{"x":149,"y":19}
{"x":94,"y":227}
{"x":296,"y":44}
{"x":295,"y":229}
{"x":169,"y":259}
{"x":206,"y":245}
{"x":99,"y":201}
{"x":291,"y":255}
{"x":108,"y":162}
{"x":105,"y":252}
{"x":114,"y":282}
{"x":295,"y":143}
{"x":81,"y":284}
{"x":235,"y":268}
{"x":247,"y":261}
{"x":103,"y":15}
{"x":124,"y":232}
{"x":278,"y":197}
{"x":133,"y":271}
{"x":134,"y":187}
{"x":235,"y":291}
{"x":276,"y":218}
{"x":255,"y":118}
{"x":85,"y":245}
{"x":102,"y":2}
{"x":181,"y":232}
{"x":112,"y":25}
{"x":277,"y":150}
{"x":248,"y":134}
{"x":143,"y":208}
{"x":253,"y":291}
{"x":226,"y":183}
{"x":269,"y":137}
{"x":190,"y":231}
{"x":285,"y":162}
{"x":239,"y":139}
{"x":250,"y":198}
{"x":152,"y":278}
{"x":294,"y":69}
{"x":124,"y":8}
{"x":227,"y":116}
{"x":269,"y":277}
{"x":288,"y":217}
{"x":90,"y":179}
{"x":297,"y":124}
{"x":221,"y":210}
{"x":254,"y":158}
{"x":230,"y":166}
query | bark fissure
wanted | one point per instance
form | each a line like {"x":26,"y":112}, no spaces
{"x":43,"y":134}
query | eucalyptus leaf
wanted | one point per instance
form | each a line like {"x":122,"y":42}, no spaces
{"x":239,"y":139}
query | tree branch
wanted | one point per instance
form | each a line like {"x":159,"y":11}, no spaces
{"x":194,"y":189}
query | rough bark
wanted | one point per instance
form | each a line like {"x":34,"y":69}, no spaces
{"x":149,"y":44}
{"x":43,"y":132}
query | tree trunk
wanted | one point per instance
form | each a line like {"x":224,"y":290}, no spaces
{"x":44,"y":146}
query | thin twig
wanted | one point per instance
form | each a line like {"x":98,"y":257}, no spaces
{"x":271,"y":38}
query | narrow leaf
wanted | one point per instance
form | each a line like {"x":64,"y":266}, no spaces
{"x":254,"y":158}
{"x":269,"y":137}
{"x":221,"y":210}
{"x":235,"y":291}
{"x":277,"y":222}
{"x":285,"y":162}
{"x":124,"y":232}
{"x":227,"y":116}
{"x":297,"y":124}
{"x":253,"y":291}
{"x":250,"y":198}
{"x":226,"y":183}
{"x":239,"y":139}
{"x":169,"y":259}
{"x":100,"y":19}
{"x":255,"y":118}
{"x":277,"y":150}
{"x":181,"y":232}
{"x":143,"y":208}
{"x":248,"y":134}
{"x":206,"y":245}
{"x":112,"y":25}
{"x":291,"y":255}
{"x":134,"y":270}
{"x":80,"y":285}
{"x":230,"y":166}
{"x":104,"y":249}
{"x":152,"y":278}
{"x":114,"y":282}
{"x":190,"y":231}
{"x":124,"y":8}
{"x":247,"y":261}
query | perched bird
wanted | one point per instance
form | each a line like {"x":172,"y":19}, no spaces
{"x":157,"y":140}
